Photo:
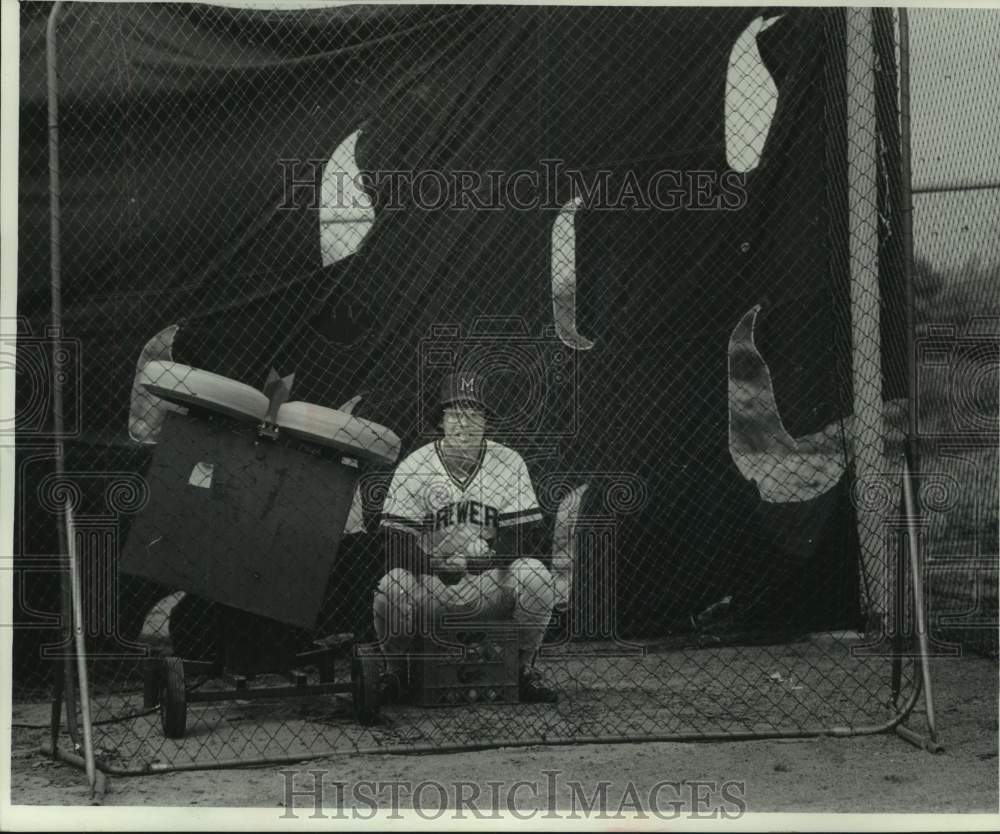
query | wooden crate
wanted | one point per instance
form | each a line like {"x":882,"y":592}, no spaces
{"x":465,"y":665}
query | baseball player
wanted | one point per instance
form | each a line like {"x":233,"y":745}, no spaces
{"x":453,"y":504}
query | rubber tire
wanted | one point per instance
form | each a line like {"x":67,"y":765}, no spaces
{"x":152,"y":676}
{"x":173,"y":698}
{"x":365,"y":669}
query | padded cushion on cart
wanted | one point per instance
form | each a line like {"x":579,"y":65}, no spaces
{"x":189,"y":386}
{"x":184,"y":385}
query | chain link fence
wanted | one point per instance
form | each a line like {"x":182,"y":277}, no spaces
{"x":666,"y":241}
{"x":956,"y":216}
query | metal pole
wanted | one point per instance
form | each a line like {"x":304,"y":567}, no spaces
{"x":957,"y":185}
{"x":70,"y":578}
{"x":911,"y":470}
{"x":906,"y":182}
{"x":55,"y":216}
{"x":866,"y":347}
{"x":81,"y":650}
{"x":101,"y":784}
{"x":55,"y":719}
{"x":918,"y":599}
{"x":55,"y":289}
{"x":897,"y":619}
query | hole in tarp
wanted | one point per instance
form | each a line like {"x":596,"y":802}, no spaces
{"x":751,"y":99}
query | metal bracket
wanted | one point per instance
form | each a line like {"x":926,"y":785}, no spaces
{"x":277,"y":389}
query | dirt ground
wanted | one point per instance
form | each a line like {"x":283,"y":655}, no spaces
{"x":861,"y":774}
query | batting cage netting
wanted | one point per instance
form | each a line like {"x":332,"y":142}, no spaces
{"x":666,"y":247}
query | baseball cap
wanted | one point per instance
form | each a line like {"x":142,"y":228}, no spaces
{"x":465,"y":388}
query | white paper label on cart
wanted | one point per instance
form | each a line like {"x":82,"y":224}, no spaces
{"x":201,"y":475}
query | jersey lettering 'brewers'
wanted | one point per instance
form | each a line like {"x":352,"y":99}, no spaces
{"x":427,"y":498}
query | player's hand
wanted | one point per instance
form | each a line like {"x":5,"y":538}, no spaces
{"x":449,"y":569}
{"x":478,"y":550}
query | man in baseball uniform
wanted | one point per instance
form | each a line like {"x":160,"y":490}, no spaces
{"x":452,"y":506}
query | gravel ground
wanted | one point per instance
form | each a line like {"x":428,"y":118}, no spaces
{"x":879,"y":773}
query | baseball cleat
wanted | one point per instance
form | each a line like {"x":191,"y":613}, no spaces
{"x":390,"y":687}
{"x":532,"y":690}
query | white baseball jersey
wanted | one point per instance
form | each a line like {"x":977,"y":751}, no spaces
{"x":427,"y":498}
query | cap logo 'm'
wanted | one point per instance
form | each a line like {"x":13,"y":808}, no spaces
{"x":468,"y":384}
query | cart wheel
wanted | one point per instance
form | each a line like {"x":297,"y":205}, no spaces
{"x":365,"y":670}
{"x":173,"y":698}
{"x":151,"y":683}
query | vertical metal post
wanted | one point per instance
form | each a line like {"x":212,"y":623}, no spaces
{"x":911,"y":470}
{"x":70,"y":578}
{"x":916,"y":572}
{"x":906,"y":182}
{"x":907,"y":276}
{"x":65,"y":689}
{"x":55,"y":217}
{"x":866,"y":348}
{"x":899,"y":616}
{"x":81,"y":651}
{"x":55,"y":719}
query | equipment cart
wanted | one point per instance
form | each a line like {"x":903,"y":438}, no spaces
{"x":249,"y":494}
